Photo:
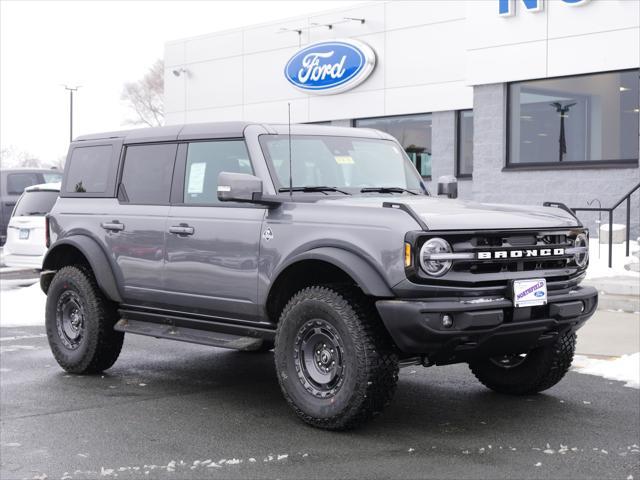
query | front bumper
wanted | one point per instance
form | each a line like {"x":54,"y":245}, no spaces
{"x":482,"y":327}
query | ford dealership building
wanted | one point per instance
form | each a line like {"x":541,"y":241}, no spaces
{"x":523,"y":100}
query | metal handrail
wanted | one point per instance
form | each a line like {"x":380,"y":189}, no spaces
{"x":609,"y":211}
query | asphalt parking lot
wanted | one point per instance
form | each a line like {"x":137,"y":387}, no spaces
{"x":172,"y":410}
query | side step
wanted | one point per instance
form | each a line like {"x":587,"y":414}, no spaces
{"x":191,"y":335}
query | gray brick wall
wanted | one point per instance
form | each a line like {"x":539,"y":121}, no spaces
{"x":443,"y":149}
{"x":573,"y":187}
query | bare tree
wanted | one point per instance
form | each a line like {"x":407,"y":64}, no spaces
{"x":59,"y":163}
{"x":146,"y":97}
{"x":11,"y":158}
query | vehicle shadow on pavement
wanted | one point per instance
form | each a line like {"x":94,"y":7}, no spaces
{"x":436,"y":400}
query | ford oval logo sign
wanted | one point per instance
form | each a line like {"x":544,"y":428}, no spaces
{"x":330,"y":67}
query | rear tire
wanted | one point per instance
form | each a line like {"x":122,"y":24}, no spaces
{"x":79,"y":322}
{"x":335,"y":362}
{"x":539,"y":370}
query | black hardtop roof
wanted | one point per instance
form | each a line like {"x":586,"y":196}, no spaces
{"x":221,"y":130}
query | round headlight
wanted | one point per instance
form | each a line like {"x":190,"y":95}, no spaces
{"x":581,"y":258}
{"x":428,"y":257}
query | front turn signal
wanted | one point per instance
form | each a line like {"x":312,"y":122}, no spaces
{"x":407,"y":254}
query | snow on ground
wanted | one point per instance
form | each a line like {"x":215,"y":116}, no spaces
{"x":21,"y":307}
{"x":625,"y":368}
{"x":599,"y":260}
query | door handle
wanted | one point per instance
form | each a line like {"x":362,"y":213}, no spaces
{"x":113,"y":226}
{"x":182,"y":230}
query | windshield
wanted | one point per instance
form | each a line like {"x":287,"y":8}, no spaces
{"x":345,"y":163}
{"x":35,"y":203}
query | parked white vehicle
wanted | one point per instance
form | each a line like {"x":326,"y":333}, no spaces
{"x":26,"y":236}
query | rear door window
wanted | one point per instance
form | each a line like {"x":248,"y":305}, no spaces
{"x":147,"y":174}
{"x":17,"y":182}
{"x":36,"y":203}
{"x":91,"y":170}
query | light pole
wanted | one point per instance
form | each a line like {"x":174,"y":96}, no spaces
{"x":71,"y":90}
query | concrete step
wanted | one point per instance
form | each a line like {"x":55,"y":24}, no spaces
{"x":617,"y":293}
{"x":609,"y":334}
{"x":622,"y":285}
{"x":619,"y":303}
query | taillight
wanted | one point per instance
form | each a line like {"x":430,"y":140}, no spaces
{"x":47,"y":235}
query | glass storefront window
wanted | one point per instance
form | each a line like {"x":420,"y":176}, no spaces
{"x":464,"y":166}
{"x":586,"y":118}
{"x":413,"y":132}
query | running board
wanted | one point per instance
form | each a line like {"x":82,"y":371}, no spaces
{"x":190,"y":335}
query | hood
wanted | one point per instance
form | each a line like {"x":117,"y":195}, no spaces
{"x":446,"y":214}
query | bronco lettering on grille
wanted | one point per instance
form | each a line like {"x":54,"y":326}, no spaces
{"x":505,"y":254}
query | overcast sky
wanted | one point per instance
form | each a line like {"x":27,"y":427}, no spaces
{"x":99,"y":45}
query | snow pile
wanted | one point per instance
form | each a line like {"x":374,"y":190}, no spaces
{"x":22,"y":307}
{"x":599,"y":260}
{"x":625,"y":368}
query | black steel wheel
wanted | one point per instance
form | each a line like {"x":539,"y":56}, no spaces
{"x":70,"y":319}
{"x":79,"y":322}
{"x":336,"y":364}
{"x":319,"y":358}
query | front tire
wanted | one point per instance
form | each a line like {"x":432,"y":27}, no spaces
{"x":79,"y":322}
{"x":336,"y":364}
{"x":527,"y":374}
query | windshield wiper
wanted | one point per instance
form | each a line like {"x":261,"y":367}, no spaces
{"x":387,"y":190}
{"x":36,"y":213}
{"x":313,"y":189}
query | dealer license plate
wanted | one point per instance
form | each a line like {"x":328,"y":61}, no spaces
{"x":24,"y":234}
{"x":528,"y":293}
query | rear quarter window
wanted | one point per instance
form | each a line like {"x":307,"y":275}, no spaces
{"x":91,"y":171}
{"x":36,"y":203}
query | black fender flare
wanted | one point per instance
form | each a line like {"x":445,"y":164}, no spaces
{"x":97,"y":259}
{"x":366,"y":276}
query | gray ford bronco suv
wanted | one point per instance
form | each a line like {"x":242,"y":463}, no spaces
{"x":321,"y":243}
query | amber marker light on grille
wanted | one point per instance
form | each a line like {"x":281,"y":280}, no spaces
{"x":407,"y":254}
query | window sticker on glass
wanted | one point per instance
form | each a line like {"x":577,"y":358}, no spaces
{"x":344,"y":160}
{"x":196,"y":178}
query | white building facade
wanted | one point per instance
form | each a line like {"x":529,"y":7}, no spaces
{"x":523,"y":100}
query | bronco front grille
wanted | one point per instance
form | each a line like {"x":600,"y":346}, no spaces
{"x":517,"y":252}
{"x":508,"y":242}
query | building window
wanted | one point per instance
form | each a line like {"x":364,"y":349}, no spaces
{"x":413,"y":132}
{"x":581,"y":120}
{"x":464,"y":152}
